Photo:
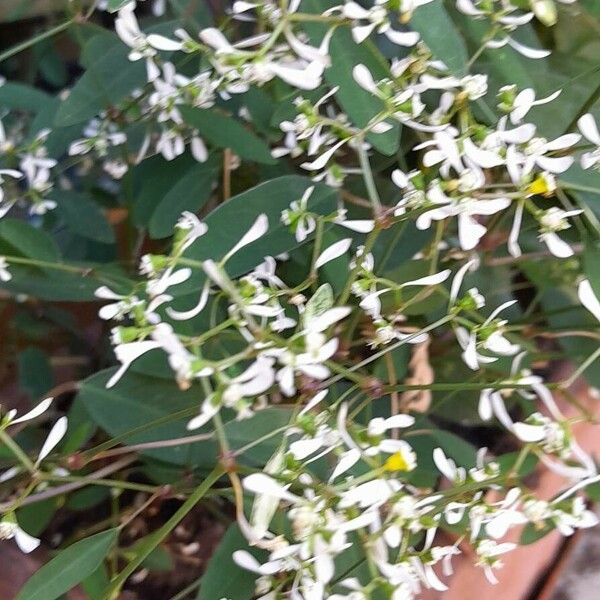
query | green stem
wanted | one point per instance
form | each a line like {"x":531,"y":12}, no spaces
{"x":158,"y":536}
{"x":579,"y":188}
{"x":582,"y":367}
{"x":445,"y":387}
{"x":316,"y":249}
{"x":369,"y":242}
{"x":21,"y":260}
{"x":390,"y":348}
{"x":18,"y":453}
{"x":35,"y":40}
{"x":112,"y":483}
{"x":368,"y":178}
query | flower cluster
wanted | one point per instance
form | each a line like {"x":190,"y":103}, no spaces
{"x":26,"y":174}
{"x":371,"y":510}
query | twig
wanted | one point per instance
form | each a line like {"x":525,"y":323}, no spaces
{"x":69,"y":487}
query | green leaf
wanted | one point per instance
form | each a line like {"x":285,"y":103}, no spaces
{"x":83,"y":216}
{"x":591,"y":264}
{"x":189,"y":192}
{"x":87,"y":498}
{"x":95,"y":584}
{"x":231,"y":220}
{"x":34,"y":518}
{"x":533,"y":533}
{"x":226,"y":132}
{"x":593,"y":492}
{"x":592,"y":7}
{"x":114,"y":5}
{"x":69,"y":567}
{"x":136,"y":401}
{"x":107,"y":81}
{"x":20,"y":238}
{"x":154,"y":179}
{"x":59,"y":138}
{"x":35,"y":372}
{"x":55,"y":286}
{"x":437,"y":30}
{"x":223,"y":577}
{"x":18,"y":96}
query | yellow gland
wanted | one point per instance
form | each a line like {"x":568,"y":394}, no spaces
{"x":396,"y":462}
{"x":539,"y":186}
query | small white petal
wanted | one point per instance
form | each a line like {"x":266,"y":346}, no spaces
{"x":322,"y":160}
{"x":485,"y":406}
{"x":445,"y":466}
{"x":301,"y":449}
{"x":328,"y":318}
{"x":529,"y":433}
{"x":38,"y":410}
{"x":527,"y":51}
{"x":26,"y":542}
{"x":258,"y":229}
{"x":557,"y":246}
{"x":435,"y":279}
{"x":399,"y":421}
{"x":189,"y":314}
{"x":346,"y":462}
{"x":314,"y":401}
{"x":588,"y":127}
{"x":360,"y":226}
{"x":352,"y":10}
{"x":334,"y":251}
{"x":262,"y":484}
{"x":214,"y":38}
{"x":363,"y":77}
{"x":402,"y":38}
{"x":160,"y":42}
{"x":588,"y":298}
{"x":308,"y":78}
{"x":458,"y":279}
{"x":56,"y":434}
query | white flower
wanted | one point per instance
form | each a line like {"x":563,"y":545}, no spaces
{"x":525,"y":101}
{"x":487,"y":336}
{"x":298,"y":218}
{"x":522,"y":49}
{"x":535,"y":153}
{"x":552,"y":220}
{"x":372,"y":493}
{"x":375,"y":19}
{"x":488,"y":552}
{"x":116,"y":310}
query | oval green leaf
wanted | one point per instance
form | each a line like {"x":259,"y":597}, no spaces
{"x":69,"y":567}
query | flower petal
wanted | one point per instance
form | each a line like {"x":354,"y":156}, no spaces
{"x":334,"y":251}
{"x":56,"y":434}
